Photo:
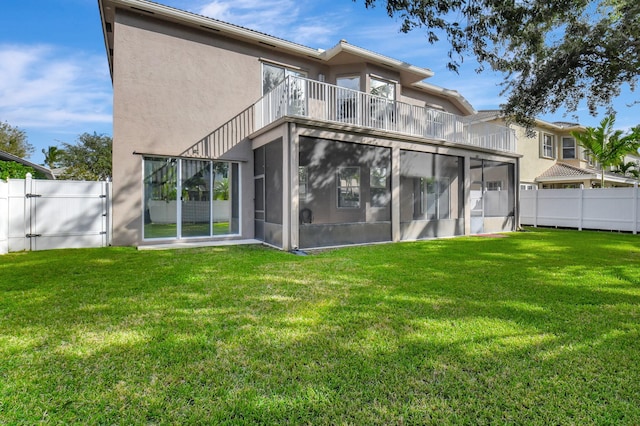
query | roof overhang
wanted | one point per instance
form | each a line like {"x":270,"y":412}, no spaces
{"x":345,"y":53}
{"x":5,"y":156}
{"x":495,"y":115}
{"x":587,"y":176}
{"x":342,"y":53}
{"x":170,"y":14}
{"x":452,"y":95}
{"x":557,"y":128}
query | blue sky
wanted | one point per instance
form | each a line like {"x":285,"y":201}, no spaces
{"x":54,"y":77}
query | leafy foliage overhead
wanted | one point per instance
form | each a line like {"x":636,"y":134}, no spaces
{"x":552,"y":53}
{"x":14,"y":141}
{"x":13,"y":170}
{"x":88,"y":159}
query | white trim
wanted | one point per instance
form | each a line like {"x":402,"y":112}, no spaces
{"x":282,"y":64}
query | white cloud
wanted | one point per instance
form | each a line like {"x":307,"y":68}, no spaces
{"x":269,"y":16}
{"x":44,"y":86}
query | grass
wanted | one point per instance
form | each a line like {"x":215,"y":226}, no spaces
{"x":539,"y":327}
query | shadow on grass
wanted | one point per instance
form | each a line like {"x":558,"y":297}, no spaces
{"x":539,"y":327}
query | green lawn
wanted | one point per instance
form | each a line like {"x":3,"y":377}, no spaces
{"x":538,"y":327}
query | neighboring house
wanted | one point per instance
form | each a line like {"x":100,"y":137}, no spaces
{"x":44,"y":172}
{"x":224,"y":133}
{"x":551,"y":158}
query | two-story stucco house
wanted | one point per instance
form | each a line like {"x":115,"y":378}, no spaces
{"x":222,"y":133}
{"x":551,"y":158}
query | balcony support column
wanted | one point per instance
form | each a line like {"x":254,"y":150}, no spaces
{"x":395,"y":194}
{"x":467,"y":195}
{"x":290,"y":187}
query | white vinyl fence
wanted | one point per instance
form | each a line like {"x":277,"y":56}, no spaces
{"x":49,"y":214}
{"x":609,"y":209}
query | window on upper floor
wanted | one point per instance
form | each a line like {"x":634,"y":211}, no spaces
{"x":547,"y":146}
{"x":587,"y":157}
{"x":382,"y":108}
{"x":272,"y":75}
{"x":347,"y":108}
{"x":383,"y":88}
{"x":568,"y":148}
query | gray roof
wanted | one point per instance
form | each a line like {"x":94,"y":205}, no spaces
{"x":565,"y":124}
{"x":486,"y":115}
{"x":5,"y":156}
{"x":564,"y":170}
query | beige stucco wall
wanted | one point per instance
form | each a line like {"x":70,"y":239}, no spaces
{"x":532,"y":163}
{"x":172,"y":87}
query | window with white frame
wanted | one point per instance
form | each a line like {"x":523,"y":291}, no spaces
{"x":348,"y":187}
{"x":527,"y":186}
{"x":347,"y":108}
{"x":493,"y":185}
{"x":383,"y":88}
{"x":382,"y":106}
{"x":272,"y":75}
{"x":435,"y":200}
{"x":190,"y":198}
{"x":568,"y":148}
{"x":587,"y":157}
{"x":547,"y":146}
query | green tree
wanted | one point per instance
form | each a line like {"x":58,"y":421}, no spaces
{"x":551,"y":53}
{"x":52,"y":156}
{"x":14,"y":141}
{"x":608,"y":146}
{"x":13,"y":170}
{"x":629,"y":168}
{"x":88,"y":159}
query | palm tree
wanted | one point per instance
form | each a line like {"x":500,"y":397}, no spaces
{"x":630,"y":168}
{"x":608,"y":146}
{"x":51,"y":156}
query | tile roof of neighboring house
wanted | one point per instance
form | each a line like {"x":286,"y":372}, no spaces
{"x":5,"y":156}
{"x":565,"y":170}
{"x":492,"y":114}
{"x":486,"y":115}
{"x":562,"y":170}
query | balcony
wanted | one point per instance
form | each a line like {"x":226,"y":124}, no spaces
{"x":301,"y":97}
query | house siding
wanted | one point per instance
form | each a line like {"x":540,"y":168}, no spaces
{"x":181,"y":92}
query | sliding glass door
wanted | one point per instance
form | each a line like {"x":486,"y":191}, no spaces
{"x":190,"y":198}
{"x":196,"y":198}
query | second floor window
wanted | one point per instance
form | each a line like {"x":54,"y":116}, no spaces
{"x":547,"y":145}
{"x":568,"y":148}
{"x":385,"y":89}
{"x":347,"y":98}
{"x":587,"y":157}
{"x":272,"y":75}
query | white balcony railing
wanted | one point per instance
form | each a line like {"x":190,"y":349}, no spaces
{"x":301,"y":97}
